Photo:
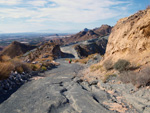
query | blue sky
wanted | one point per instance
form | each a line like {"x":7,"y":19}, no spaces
{"x":63,"y":16}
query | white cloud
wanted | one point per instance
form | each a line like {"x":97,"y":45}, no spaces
{"x":79,"y":11}
{"x":16,"y":13}
{"x":65,"y":11}
{"x":10,"y":2}
{"x":37,"y":2}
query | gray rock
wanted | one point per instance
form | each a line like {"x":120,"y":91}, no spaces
{"x":58,"y":92}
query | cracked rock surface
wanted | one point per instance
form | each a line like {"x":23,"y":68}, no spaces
{"x":59,"y":91}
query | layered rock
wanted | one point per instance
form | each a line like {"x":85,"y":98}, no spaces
{"x":44,"y":51}
{"x":130,"y":39}
{"x":91,"y":47}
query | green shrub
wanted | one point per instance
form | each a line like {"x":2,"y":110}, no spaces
{"x":121,"y":65}
{"x":43,"y":68}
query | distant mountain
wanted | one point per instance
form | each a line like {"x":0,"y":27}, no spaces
{"x":86,"y":34}
{"x":86,"y":30}
{"x":103,"y":30}
{"x":16,"y":49}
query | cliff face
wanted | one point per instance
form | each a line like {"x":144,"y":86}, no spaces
{"x":130,"y":39}
{"x":99,"y":46}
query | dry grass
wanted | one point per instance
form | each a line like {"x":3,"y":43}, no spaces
{"x":7,"y":65}
{"x":20,"y":66}
{"x":95,"y":67}
{"x":83,"y":60}
{"x":5,"y":58}
{"x":35,"y":67}
{"x":5,"y":69}
{"x":107,"y":75}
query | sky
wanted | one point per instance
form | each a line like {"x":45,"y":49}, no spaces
{"x":63,"y":16}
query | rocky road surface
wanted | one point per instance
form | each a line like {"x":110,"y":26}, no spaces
{"x":59,"y":91}
{"x":70,"y":50}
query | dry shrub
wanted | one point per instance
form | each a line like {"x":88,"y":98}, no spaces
{"x":83,"y":60}
{"x":143,"y":77}
{"x":47,"y":64}
{"x":108,"y":64}
{"x":128,"y":77}
{"x":5,"y":58}
{"x":35,"y":67}
{"x":138,"y":79}
{"x":107,"y":76}
{"x":20,"y":66}
{"x":5,"y":69}
{"x":121,"y":65}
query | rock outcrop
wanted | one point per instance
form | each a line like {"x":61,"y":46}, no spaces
{"x":47,"y":51}
{"x":130,"y":39}
{"x":44,"y":51}
{"x":91,"y":47}
{"x":16,"y":49}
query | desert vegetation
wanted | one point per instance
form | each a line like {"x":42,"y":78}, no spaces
{"x":108,"y":64}
{"x":7,"y":65}
{"x":141,"y":78}
{"x":121,"y":65}
{"x":137,"y":75}
{"x":83,"y":60}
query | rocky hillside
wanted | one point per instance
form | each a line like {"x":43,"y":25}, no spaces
{"x":130,"y":39}
{"x":86,"y":34}
{"x":16,"y":49}
{"x":48,"y":51}
{"x":91,"y":47}
{"x":1,"y":48}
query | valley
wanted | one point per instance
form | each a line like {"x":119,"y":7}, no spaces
{"x":100,"y":70}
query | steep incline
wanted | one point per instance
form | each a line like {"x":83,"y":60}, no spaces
{"x":130,"y":39}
